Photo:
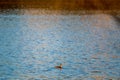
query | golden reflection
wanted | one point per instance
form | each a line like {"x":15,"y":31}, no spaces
{"x":63,"y":4}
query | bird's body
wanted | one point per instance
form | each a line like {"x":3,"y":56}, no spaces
{"x":59,"y":67}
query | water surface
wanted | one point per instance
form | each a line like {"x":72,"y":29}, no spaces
{"x":88,"y":46}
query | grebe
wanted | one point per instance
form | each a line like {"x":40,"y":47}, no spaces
{"x":59,"y":67}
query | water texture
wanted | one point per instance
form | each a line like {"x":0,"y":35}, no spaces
{"x":88,"y":46}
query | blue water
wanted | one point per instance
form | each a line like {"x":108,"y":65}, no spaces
{"x":88,"y":46}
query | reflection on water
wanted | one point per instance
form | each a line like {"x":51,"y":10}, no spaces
{"x":88,"y":46}
{"x":62,"y":4}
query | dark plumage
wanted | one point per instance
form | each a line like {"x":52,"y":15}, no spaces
{"x":59,"y":67}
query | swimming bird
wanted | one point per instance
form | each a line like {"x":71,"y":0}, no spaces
{"x":59,"y":67}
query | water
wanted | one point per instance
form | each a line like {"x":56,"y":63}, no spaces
{"x":88,"y":46}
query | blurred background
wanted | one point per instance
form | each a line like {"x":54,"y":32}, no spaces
{"x":37,"y":35}
{"x":62,"y":4}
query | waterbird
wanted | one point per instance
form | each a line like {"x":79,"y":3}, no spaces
{"x":59,"y":67}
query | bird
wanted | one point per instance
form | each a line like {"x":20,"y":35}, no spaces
{"x":59,"y":67}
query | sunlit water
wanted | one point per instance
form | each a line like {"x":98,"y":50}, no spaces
{"x":88,"y":46}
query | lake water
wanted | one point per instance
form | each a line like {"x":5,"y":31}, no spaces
{"x":88,"y":47}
